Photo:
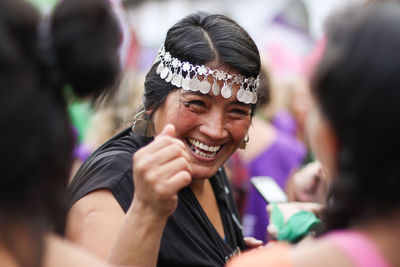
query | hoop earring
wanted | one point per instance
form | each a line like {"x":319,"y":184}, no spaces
{"x":142,"y":125}
{"x":244,"y":142}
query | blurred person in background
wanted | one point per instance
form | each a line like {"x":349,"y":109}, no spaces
{"x":269,"y":152}
{"x":76,"y":44}
{"x":199,"y":98}
{"x":107,"y":114}
{"x":352,"y":130}
{"x":115,"y":112}
{"x":289,"y":111}
{"x":111,"y":113}
{"x":38,"y":57}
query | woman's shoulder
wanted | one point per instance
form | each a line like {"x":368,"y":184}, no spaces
{"x":115,"y":155}
{"x":125,"y":142}
{"x":312,"y":253}
{"x":319,"y":252}
{"x":109,"y":167}
{"x":271,"y":255}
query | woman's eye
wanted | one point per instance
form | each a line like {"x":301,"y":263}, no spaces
{"x":194,"y":103}
{"x":240,"y":111}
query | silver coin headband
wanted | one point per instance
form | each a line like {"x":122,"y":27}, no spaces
{"x":186,"y":75}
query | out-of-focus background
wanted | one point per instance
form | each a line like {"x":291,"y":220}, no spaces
{"x":285,"y":31}
{"x":289,"y":35}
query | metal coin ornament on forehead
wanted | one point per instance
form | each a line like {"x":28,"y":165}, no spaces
{"x":215,"y":88}
{"x":226,"y":91}
{"x":205,"y":87}
{"x":177,"y":80}
{"x":194,"y":78}
{"x":159,"y":68}
{"x":240,"y":94}
{"x":169,"y":76}
{"x":164,"y":73}
{"x":186,"y":83}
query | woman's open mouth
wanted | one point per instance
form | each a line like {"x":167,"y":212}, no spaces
{"x":203,"y":150}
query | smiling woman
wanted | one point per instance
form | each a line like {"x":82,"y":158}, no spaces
{"x":211,"y":127}
{"x":199,"y":98}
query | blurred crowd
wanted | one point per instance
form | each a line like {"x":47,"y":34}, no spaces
{"x":277,"y":147}
{"x":277,"y":144}
{"x":315,"y":99}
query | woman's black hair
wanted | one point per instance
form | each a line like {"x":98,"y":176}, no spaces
{"x":202,"y":38}
{"x":357,"y":86}
{"x":76,"y":45}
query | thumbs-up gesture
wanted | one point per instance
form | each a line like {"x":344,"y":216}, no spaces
{"x":160,"y":170}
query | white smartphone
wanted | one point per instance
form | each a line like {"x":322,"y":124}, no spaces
{"x":268,"y":189}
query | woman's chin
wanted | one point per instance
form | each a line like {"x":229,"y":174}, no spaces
{"x":203,"y":172}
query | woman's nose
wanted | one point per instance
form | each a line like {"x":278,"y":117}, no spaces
{"x":214,"y":125}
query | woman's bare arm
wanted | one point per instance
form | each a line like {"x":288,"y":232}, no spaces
{"x":98,"y":223}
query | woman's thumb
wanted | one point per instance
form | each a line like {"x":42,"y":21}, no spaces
{"x":169,"y":130}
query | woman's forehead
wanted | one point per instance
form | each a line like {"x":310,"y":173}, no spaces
{"x":216,"y":65}
{"x":232,"y":100}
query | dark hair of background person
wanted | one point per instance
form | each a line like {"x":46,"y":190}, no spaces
{"x":357,"y":88}
{"x":202,"y":38}
{"x":79,"y":48}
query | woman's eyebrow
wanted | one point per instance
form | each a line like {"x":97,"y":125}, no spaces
{"x":233,"y":102}
{"x":237,"y":102}
{"x":194,"y":93}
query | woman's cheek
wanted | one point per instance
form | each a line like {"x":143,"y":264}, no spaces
{"x":239,"y":130}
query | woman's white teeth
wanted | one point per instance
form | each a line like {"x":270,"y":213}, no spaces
{"x":204,"y":147}
{"x":207,"y":155}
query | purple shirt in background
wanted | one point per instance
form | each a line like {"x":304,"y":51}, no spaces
{"x":278,"y":161}
{"x":284,"y":121}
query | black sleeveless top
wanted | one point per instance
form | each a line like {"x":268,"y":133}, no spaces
{"x":189,"y":238}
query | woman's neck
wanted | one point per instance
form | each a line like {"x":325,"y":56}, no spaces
{"x":204,"y":193}
{"x":198,"y":186}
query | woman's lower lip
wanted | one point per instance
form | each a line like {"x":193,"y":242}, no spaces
{"x":200,"y":157}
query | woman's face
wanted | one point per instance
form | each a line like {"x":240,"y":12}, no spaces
{"x":322,"y":140}
{"x":212,"y":127}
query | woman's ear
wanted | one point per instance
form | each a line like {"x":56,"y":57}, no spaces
{"x":143,"y":125}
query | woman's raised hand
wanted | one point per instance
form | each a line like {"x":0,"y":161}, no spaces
{"x":311,"y":183}
{"x":160,"y":170}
